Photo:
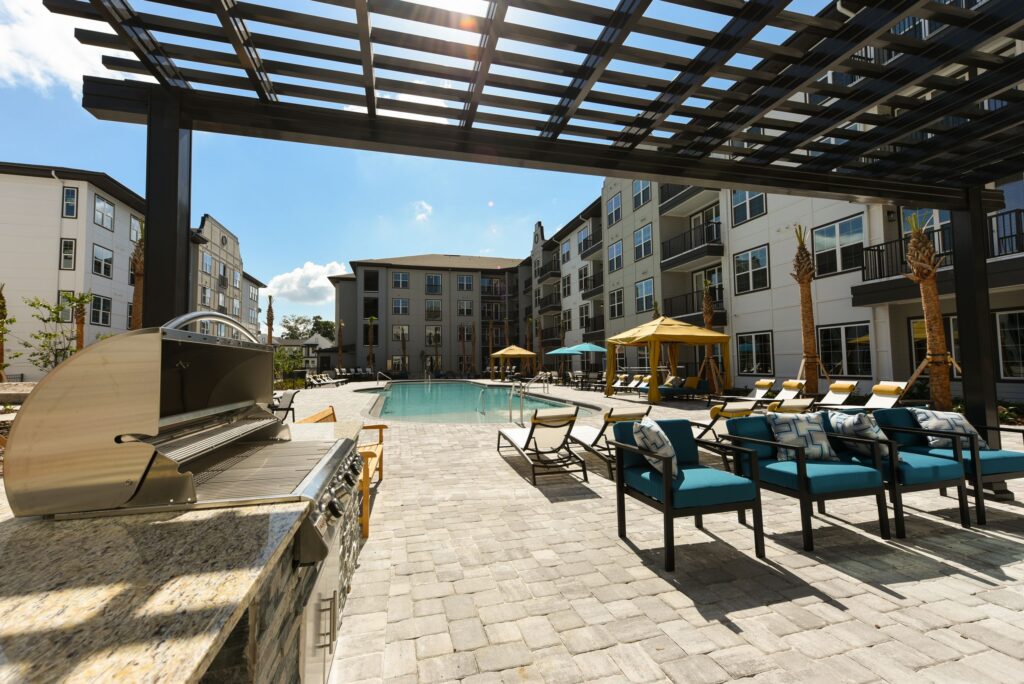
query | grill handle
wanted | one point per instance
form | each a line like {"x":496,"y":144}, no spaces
{"x":181,"y":322}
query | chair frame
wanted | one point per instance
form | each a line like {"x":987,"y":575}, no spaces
{"x":604,"y":452}
{"x":373,"y":462}
{"x":557,"y":466}
{"x":670,"y":513}
{"x":288,"y":409}
{"x":803,"y":493}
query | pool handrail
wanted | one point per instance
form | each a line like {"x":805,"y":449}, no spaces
{"x":382,"y":374}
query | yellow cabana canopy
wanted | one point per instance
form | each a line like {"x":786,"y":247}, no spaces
{"x":512,"y":352}
{"x":653,"y":334}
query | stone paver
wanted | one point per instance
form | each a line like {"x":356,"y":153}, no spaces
{"x":470,"y":573}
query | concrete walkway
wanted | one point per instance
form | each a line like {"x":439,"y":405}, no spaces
{"x":472,"y":573}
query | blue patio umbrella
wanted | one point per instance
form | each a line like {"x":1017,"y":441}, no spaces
{"x":563,"y":351}
{"x":588,"y":347}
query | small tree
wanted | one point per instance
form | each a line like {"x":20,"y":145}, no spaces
{"x":404,"y":339}
{"x":286,"y":360}
{"x":321,"y":327}
{"x":56,"y":339}
{"x":370,"y":356}
{"x":139,"y":271}
{"x":5,"y":329}
{"x":710,"y":365}
{"x":297,"y":327}
{"x":270,"y":319}
{"x":924,"y":266}
{"x":803,"y":274}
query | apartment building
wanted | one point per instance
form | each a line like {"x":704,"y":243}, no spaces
{"x":219,"y":281}
{"x":430,"y":312}
{"x":66,"y":230}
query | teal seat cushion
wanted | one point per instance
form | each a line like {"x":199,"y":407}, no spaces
{"x":919,"y":469}
{"x":824,"y":477}
{"x":900,"y":418}
{"x":694,"y":486}
{"x":679,"y":432}
{"x":993,"y":461}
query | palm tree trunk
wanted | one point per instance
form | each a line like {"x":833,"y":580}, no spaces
{"x":79,"y":327}
{"x":3,"y":318}
{"x":938,"y":369}
{"x":809,"y":340}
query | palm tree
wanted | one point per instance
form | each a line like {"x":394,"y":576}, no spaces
{"x":803,"y":274}
{"x":3,"y":331}
{"x":139,"y":271}
{"x":404,"y":338}
{"x":708,"y":309}
{"x":924,"y":265}
{"x":270,"y":319}
{"x":462,"y":349}
{"x":78,"y":308}
{"x":370,"y":357}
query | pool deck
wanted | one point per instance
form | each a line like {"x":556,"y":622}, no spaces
{"x":472,"y":573}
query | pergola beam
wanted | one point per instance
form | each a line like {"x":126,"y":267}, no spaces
{"x":241,"y":41}
{"x":124,"y":20}
{"x":366,"y":54}
{"x":488,"y":45}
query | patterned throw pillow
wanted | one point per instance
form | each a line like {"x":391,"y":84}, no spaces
{"x":802,"y":429}
{"x":650,"y":436}
{"x":946,"y":420}
{"x":861,"y":425}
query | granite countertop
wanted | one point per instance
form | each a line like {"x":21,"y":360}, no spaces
{"x":131,"y":598}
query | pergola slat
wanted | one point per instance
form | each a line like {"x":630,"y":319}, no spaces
{"x":241,"y":41}
{"x":366,"y":51}
{"x":488,"y":45}
{"x":123,"y":19}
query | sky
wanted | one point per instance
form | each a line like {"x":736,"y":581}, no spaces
{"x":301,"y":212}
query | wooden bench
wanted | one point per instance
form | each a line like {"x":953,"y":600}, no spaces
{"x":373,"y":462}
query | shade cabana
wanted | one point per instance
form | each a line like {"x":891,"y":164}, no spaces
{"x":508,"y":353}
{"x":653,"y":334}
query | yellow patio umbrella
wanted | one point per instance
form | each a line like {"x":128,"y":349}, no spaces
{"x":512,"y":352}
{"x":653,"y":334}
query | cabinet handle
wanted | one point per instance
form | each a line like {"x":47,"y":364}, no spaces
{"x":334,"y":620}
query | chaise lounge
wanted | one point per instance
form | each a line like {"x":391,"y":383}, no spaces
{"x":545,"y":443}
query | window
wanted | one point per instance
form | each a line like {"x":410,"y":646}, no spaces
{"x":399,"y":333}
{"x":464,"y":283}
{"x":400,"y":306}
{"x":583,"y":238}
{"x":135,"y":229}
{"x":465,"y":307}
{"x":614,"y":209}
{"x":102,"y":261}
{"x":919,"y":341}
{"x":644,"y":295}
{"x":67,"y":314}
{"x":845,"y":350}
{"x":1010,"y":329}
{"x":566,"y":320}
{"x":751,"y":269}
{"x":465,"y":332}
{"x":222,"y":270}
{"x":838,"y":246}
{"x":254,"y":316}
{"x":746,"y":205}
{"x":705,"y":216}
{"x":433,"y":309}
{"x":465,"y":362}
{"x":236,"y":278}
{"x":398,"y":363}
{"x":643,"y":359}
{"x":103,"y":212}
{"x":400,"y":280}
{"x":67,"y":254}
{"x":755,"y":353}
{"x":204,"y":296}
{"x":615,"y":303}
{"x":222,"y":302}
{"x":100,"y":314}
{"x":584,"y":316}
{"x":433,"y":283}
{"x":433,"y":335}
{"x":221,"y":329}
{"x":204,"y":327}
{"x":641,"y":193}
{"x":643,"y":244}
{"x":566,"y":286}
{"x":712,"y":275}
{"x":131,"y":310}
{"x":69,"y":209}
{"x":565,"y":251}
{"x":582,"y":275}
{"x":254,"y":293}
{"x":207,"y":263}
{"x":620,"y":357}
{"x":371,"y":281}
{"x":716,"y":354}
{"x":615,"y":256}
{"x":236,"y":307}
{"x":131,"y":271}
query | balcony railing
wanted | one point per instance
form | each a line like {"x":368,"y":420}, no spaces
{"x":591,"y":285}
{"x":594,"y":329}
{"x":527,"y":283}
{"x":693,"y":302}
{"x":705,"y":234}
{"x":493,"y":290}
{"x":552,"y":334}
{"x":590,"y":244}
{"x":1007,"y":233}
{"x":492,"y":314}
{"x":553,"y":299}
{"x":548,"y":270}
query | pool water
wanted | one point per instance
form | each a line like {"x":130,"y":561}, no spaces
{"x":456,"y":402}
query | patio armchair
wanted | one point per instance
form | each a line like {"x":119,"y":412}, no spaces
{"x":595,"y":440}
{"x":696,"y":490}
{"x":809,"y":480}
{"x":997,"y":465}
{"x":545,"y":443}
{"x":284,"y":404}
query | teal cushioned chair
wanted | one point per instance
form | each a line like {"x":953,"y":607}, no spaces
{"x":695,"y":490}
{"x":997,"y":465}
{"x":811,"y":480}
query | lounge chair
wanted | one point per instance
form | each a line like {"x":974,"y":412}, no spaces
{"x":761,"y":388}
{"x":644,"y":385}
{"x":284,"y":404}
{"x":733,"y":409}
{"x":634,"y":383}
{"x":997,"y":465}
{"x":885,"y":394}
{"x":595,"y":440}
{"x":620,"y":382}
{"x":694,"y":491}
{"x":838,"y":394}
{"x":813,"y":480}
{"x":545,"y":443}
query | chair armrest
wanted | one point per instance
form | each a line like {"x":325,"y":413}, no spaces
{"x":737,"y":452}
{"x":639,"y":450}
{"x":380,"y":431}
{"x":1001,"y":428}
{"x":922,"y":431}
{"x":801,"y":454}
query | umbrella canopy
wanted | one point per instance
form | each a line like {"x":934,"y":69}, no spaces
{"x":563,"y":351}
{"x":588,"y":347}
{"x":512,"y":352}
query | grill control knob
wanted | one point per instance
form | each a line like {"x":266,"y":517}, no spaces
{"x":334,"y":507}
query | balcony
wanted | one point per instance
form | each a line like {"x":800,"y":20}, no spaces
{"x":593,"y":286}
{"x":528,"y":310}
{"x":433,"y":315}
{"x":492,"y":315}
{"x":550,"y":303}
{"x":222,"y":282}
{"x":551,"y":270}
{"x":493,"y":291}
{"x":591,"y":244}
{"x":552,"y":335}
{"x":689,"y":307}
{"x":889,"y":259}
{"x":593,"y":331}
{"x":696,"y":247}
{"x":527,"y":284}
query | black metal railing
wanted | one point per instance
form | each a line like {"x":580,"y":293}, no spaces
{"x":591,"y":284}
{"x":667,"y":191}
{"x":527,"y":283}
{"x":553,"y":299}
{"x":890,"y":258}
{"x":492,"y":315}
{"x":553,"y":333}
{"x":709,"y":233}
{"x":551,"y":268}
{"x":1007,"y":233}
{"x":594,"y":329}
{"x":693,"y":302}
{"x":590,"y":244}
{"x":493,"y":290}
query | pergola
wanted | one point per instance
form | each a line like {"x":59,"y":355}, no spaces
{"x":856,"y":104}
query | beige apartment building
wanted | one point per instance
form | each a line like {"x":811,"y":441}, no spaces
{"x":219,"y":281}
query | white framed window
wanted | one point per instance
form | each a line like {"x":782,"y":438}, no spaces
{"x":845,"y":350}
{"x":254,"y":293}
{"x":751,"y":270}
{"x":582,"y":277}
{"x":222,"y":301}
{"x":566,"y":320}
{"x":465,"y":332}
{"x":399,"y":333}
{"x":204,"y":296}
{"x":615,"y":256}
{"x":465,"y":307}
{"x":1010,"y":329}
{"x":747,"y":205}
{"x":644,"y":291}
{"x":103,"y":212}
{"x":222,"y":270}
{"x":433,"y":310}
{"x":433,"y":335}
{"x":400,"y":280}
{"x":620,"y":357}
{"x":641,"y":193}
{"x":755,"y":354}
{"x":433,"y":283}
{"x":100,"y":310}
{"x":134,"y":228}
{"x":236,"y":307}
{"x":613,"y":209}
{"x":464,"y":283}
{"x":712,"y":274}
{"x":254,"y":316}
{"x":400,"y":306}
{"x":643,"y":358}
{"x":565,"y":251}
{"x":708,"y":215}
{"x":398,"y":363}
{"x":68,"y":247}
{"x":566,"y":286}
{"x":102,"y":261}
{"x":236,"y":278}
{"x":615,"y":303}
{"x":204,"y":327}
{"x":67,"y":314}
{"x":643,"y":243}
{"x":221,"y":329}
{"x":584,"y":315}
{"x":207,"y":263}
{"x":69,"y":207}
{"x":838,"y":246}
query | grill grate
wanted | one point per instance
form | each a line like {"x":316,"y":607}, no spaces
{"x":258,"y":469}
{"x":191,"y":446}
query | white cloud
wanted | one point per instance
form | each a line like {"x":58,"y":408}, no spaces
{"x":38,"y":49}
{"x":423,"y":210}
{"x":307,"y":284}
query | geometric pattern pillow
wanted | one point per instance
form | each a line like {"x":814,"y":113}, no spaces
{"x":946,"y":420}
{"x":802,"y":429}
{"x":650,"y":436}
{"x":861,"y":425}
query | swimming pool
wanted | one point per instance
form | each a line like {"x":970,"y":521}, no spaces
{"x":454,"y":402}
